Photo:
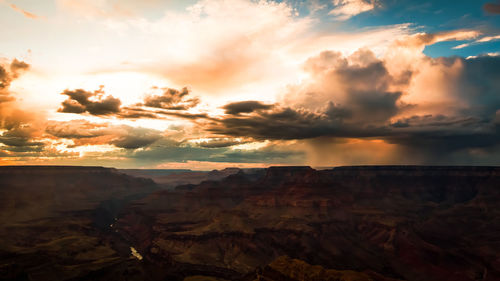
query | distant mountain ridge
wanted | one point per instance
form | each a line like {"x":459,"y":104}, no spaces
{"x":171,"y":178}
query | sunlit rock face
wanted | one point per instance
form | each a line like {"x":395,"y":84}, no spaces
{"x":379,"y":223}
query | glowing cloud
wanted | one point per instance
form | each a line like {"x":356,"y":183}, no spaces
{"x":345,"y":9}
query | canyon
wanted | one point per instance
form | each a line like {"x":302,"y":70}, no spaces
{"x":379,"y":223}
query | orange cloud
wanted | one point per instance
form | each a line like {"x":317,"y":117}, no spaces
{"x":25,"y":13}
{"x":345,"y":9}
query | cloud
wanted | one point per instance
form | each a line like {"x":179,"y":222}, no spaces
{"x":493,"y":8}
{"x":19,"y":130}
{"x":461,"y":46}
{"x":94,"y":103}
{"x":399,"y":102}
{"x":357,"y":88}
{"x":184,"y":115}
{"x":86,"y":133}
{"x":76,"y":129}
{"x":136,"y":138}
{"x":443,"y":107}
{"x":488,"y":38}
{"x":4,"y":78}
{"x":20,"y":136}
{"x":236,"y":108}
{"x":8,"y":73}
{"x":280,"y":124}
{"x":400,"y":99}
{"x":136,"y":113}
{"x":390,"y":95}
{"x":171,"y":102}
{"x":171,"y":99}
{"x":221,"y":142}
{"x":246,"y":46}
{"x":16,"y":67}
{"x":167,"y":150}
{"x":420,"y":40}
{"x":405,"y":57}
{"x":25,"y":13}
{"x":242,"y":42}
{"x":481,"y":40}
{"x":284,"y":123}
{"x":345,"y":9}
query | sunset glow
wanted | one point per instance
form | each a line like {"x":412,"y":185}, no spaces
{"x":244,"y":83}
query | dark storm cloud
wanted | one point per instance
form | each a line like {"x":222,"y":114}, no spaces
{"x":363,"y":89}
{"x":368,"y":109}
{"x":479,"y":84}
{"x":430,"y":121}
{"x":453,"y":141}
{"x":79,"y":101}
{"x":236,"y":108}
{"x":171,"y":99}
{"x":362,"y":85}
{"x":493,"y":8}
{"x":288,"y":124}
{"x":282,"y":123}
{"x":431,"y":138}
{"x":368,"y":97}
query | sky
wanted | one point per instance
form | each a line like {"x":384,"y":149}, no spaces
{"x":208,"y":84}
